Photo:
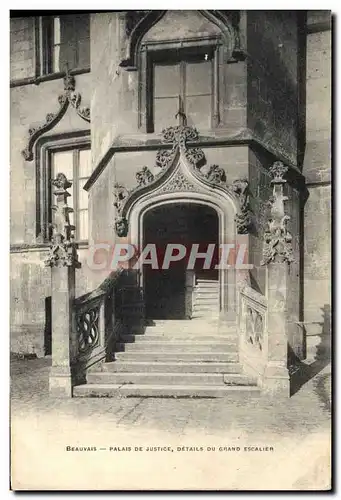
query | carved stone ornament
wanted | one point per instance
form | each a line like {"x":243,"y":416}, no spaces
{"x":144,"y":176}
{"x":240,"y":188}
{"x":120,"y":193}
{"x":277,"y":242}
{"x":68,"y":97}
{"x":216,"y":175}
{"x":277,"y":170}
{"x":63,"y":249}
{"x":177,"y":137}
{"x":121,"y":227}
{"x":277,"y":246}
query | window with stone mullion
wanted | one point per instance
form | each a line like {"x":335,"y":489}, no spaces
{"x":185,"y":85}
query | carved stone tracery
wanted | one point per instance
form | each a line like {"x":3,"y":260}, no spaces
{"x":68,"y":97}
{"x":178,"y":183}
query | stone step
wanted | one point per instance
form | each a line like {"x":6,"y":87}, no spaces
{"x":214,"y":301}
{"x":206,"y":294}
{"x":207,"y":284}
{"x":173,"y":337}
{"x":185,"y":346}
{"x":204,"y":314}
{"x":203,"y":280}
{"x":206,"y":307}
{"x":159,"y":390}
{"x":169,"y":378}
{"x":120,"y":366}
{"x":192,"y":356}
{"x":184,"y":329}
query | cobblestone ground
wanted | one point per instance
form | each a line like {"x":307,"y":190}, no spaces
{"x":307,"y":410}
{"x":199,"y":431}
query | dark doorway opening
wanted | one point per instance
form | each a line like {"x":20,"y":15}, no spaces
{"x":167,"y":291}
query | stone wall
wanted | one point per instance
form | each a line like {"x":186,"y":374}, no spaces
{"x":22,"y":55}
{"x":272,"y":92}
{"x":29,"y":105}
{"x":317,"y":170}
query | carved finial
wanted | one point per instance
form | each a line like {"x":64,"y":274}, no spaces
{"x":277,"y":171}
{"x":61,"y":182}
{"x":277,"y":245}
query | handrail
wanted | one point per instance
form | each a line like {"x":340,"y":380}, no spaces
{"x":96,"y":324}
{"x":103,"y":289}
{"x":252,"y":294}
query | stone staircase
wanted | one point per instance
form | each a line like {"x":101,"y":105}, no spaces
{"x":172,"y":358}
{"x":205,"y":298}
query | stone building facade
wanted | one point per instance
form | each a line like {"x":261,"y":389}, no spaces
{"x":152,"y":113}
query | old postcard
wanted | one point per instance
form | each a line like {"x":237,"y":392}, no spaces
{"x":170,"y":250}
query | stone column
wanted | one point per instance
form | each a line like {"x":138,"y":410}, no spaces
{"x":277,"y":255}
{"x":63,"y":261}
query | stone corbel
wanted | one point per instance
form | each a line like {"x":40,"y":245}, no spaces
{"x":68,"y":97}
{"x":277,"y":246}
{"x":121,"y":194}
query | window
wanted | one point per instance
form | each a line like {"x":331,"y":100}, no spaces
{"x":181,"y":81}
{"x":64,"y":43}
{"x":76,"y":165}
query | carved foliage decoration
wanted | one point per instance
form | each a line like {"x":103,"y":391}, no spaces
{"x":216,"y":175}
{"x":144,"y":176}
{"x":178,"y":137}
{"x":63,"y":249}
{"x":277,"y":246}
{"x":121,"y":193}
{"x":68,"y":97}
{"x":240,"y":187}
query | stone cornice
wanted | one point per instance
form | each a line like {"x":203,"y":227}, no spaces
{"x":218,"y":138}
{"x":38,"y":247}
